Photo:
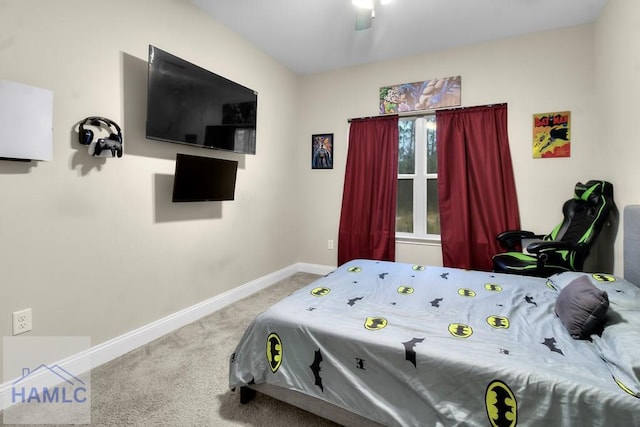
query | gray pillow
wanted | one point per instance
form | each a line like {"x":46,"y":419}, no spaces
{"x":582,"y":308}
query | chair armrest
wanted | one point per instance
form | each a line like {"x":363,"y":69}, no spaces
{"x":549,"y":245}
{"x":511,"y":239}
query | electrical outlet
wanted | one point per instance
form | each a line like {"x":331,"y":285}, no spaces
{"x":22,"y":321}
{"x":330,"y":245}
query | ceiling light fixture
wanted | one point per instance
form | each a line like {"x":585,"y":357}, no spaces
{"x":364,"y":18}
{"x":366,"y":12}
{"x":368,"y":4}
{"x":363,"y":4}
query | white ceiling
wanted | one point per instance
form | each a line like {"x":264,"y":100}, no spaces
{"x":311,"y":36}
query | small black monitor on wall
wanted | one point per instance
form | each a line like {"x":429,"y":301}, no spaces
{"x":190,"y":105}
{"x":203,"y":179}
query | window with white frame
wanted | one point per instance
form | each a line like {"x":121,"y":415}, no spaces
{"x":417,"y":213}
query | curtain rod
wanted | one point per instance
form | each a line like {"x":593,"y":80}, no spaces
{"x":497,"y":104}
{"x":371,"y":117}
{"x":415,"y":113}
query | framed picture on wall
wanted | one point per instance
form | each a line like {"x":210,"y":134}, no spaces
{"x":322,"y":151}
{"x":552,"y":135}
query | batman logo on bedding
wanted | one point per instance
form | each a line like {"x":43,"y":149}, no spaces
{"x":354,"y":269}
{"x":625,"y":388}
{"x":320,"y":292}
{"x":551,"y":343}
{"x":603,"y":277}
{"x":409,"y":349}
{"x":501,"y":405}
{"x":274,"y":351}
{"x":498,"y":322}
{"x":419,"y":268}
{"x":405,"y":290}
{"x":315,"y":368}
{"x":492,"y":287}
{"x":375,"y":323}
{"x":470,"y":293}
{"x":460,"y":330}
{"x":352,"y":301}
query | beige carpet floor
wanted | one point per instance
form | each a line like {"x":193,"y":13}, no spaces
{"x":181,"y":379}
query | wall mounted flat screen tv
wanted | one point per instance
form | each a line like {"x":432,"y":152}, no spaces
{"x":203,"y":179}
{"x":187,"y":104}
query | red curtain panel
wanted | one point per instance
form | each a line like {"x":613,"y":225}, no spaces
{"x":367,"y":219}
{"x":476,"y":186}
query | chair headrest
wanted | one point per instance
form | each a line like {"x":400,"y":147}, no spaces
{"x":592,"y":190}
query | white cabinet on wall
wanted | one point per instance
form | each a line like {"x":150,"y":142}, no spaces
{"x":26,"y":122}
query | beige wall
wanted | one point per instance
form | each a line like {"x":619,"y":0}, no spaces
{"x":617,"y":83}
{"x":95,"y":247}
{"x":544,"y":72}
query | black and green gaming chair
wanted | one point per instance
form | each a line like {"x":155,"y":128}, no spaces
{"x":567,"y":247}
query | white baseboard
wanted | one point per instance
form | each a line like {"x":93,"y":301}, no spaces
{"x":118,"y":346}
{"x":322,"y":270}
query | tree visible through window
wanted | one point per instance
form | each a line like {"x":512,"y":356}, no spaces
{"x":417,"y":208}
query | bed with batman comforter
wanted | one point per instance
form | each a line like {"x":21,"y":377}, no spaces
{"x":410,"y":345}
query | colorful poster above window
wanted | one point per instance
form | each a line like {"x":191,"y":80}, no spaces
{"x":322,"y":151}
{"x":552,"y":135}
{"x":419,"y":96}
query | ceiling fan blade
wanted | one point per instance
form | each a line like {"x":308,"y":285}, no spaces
{"x":364,"y":17}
